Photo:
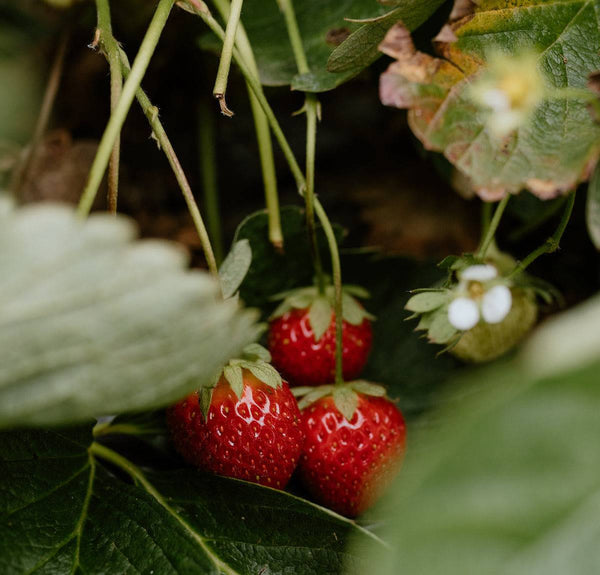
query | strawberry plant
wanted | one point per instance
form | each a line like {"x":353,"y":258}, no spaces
{"x":299,"y":286}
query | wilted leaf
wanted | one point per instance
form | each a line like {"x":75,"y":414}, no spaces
{"x":94,"y":323}
{"x":63,"y":511}
{"x":551,"y":152}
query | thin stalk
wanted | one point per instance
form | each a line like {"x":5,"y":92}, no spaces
{"x":151,"y":112}
{"x":110,"y":48}
{"x":491,"y":231}
{"x":336,"y":269}
{"x":208,"y":166}
{"x":117,"y":118}
{"x":552,"y":243}
{"x":98,"y":450}
{"x":225,"y":63}
{"x":56,"y":70}
{"x":311,"y":108}
{"x":486,"y":217}
{"x":263,"y":134}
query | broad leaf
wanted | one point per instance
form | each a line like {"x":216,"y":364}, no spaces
{"x":62,"y":510}
{"x":273,"y":272}
{"x":323,"y":24}
{"x":505,"y":477}
{"x":548,"y":154}
{"x":92,"y":322}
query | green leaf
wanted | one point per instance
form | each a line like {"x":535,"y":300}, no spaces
{"x":235,"y":267}
{"x":593,"y":208}
{"x":361,"y":48}
{"x":548,"y":154}
{"x":273,"y":272}
{"x":266,"y":373}
{"x":86,"y":313}
{"x":346,"y":401}
{"x":62,"y":510}
{"x":427,"y":301}
{"x":505,"y":478}
{"x":233,"y":375}
{"x":353,"y":312}
{"x":319,"y":316}
{"x":368,"y":388}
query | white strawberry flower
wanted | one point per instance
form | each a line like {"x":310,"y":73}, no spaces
{"x":479,"y":296}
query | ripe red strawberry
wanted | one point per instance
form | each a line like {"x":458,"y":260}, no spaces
{"x":255,"y":436}
{"x":302,"y":337}
{"x":346,"y":464}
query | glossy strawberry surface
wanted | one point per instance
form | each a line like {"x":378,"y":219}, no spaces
{"x":345,"y":465}
{"x":304,"y":361}
{"x":257,"y":438}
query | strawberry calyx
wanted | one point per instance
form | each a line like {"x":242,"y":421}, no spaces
{"x":345,"y":396}
{"x":321,"y":306}
{"x":255,"y":359}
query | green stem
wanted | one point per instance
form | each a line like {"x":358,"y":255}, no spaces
{"x":109,"y":46}
{"x":552,"y":243}
{"x":225,"y":63}
{"x":263,"y":134}
{"x":52,"y":86}
{"x":337,"y":282}
{"x":98,"y":450}
{"x":486,"y":217}
{"x":208,"y":166}
{"x":491,"y":231}
{"x":101,"y":429}
{"x":117,"y":118}
{"x":151,"y":112}
{"x":311,"y":108}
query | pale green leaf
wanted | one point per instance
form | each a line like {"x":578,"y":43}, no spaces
{"x":319,"y":316}
{"x":427,"y":301}
{"x":233,"y":375}
{"x":346,"y":401}
{"x":265,"y":373}
{"x":92,"y":322}
{"x":235,"y":267}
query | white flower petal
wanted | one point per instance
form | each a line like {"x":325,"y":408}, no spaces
{"x":480,"y":273}
{"x":496,"y":304}
{"x":463,"y":313}
{"x":496,"y":99}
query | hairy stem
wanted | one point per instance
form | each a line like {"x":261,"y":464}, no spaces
{"x":56,"y":70}
{"x":151,"y":112}
{"x":491,"y":231}
{"x":226,"y":54}
{"x":117,"y":118}
{"x":109,"y":47}
{"x":263,"y":134}
{"x":208,"y":166}
{"x":552,"y":243}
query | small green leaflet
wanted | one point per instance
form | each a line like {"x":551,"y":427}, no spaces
{"x":441,"y":330}
{"x":345,"y":400}
{"x":235,"y":267}
{"x":265,"y":372}
{"x":256,"y":351}
{"x":233,"y":374}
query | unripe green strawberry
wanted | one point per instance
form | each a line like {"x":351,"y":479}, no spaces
{"x":485,"y":341}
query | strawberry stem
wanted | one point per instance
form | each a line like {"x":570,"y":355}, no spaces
{"x":226,"y":54}
{"x":263,"y":133}
{"x":491,"y":231}
{"x":117,"y":117}
{"x":552,"y":243}
{"x":311,"y":108}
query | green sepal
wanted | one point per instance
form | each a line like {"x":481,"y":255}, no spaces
{"x":315,"y":394}
{"x":367,"y":388}
{"x":357,"y":291}
{"x":264,"y":372}
{"x":346,"y":401}
{"x":441,"y":330}
{"x":425,"y":321}
{"x":204,"y":400}
{"x":427,"y":301}
{"x":255,"y":351}
{"x":234,"y":376}
{"x":235,"y":268}
{"x":319,"y":316}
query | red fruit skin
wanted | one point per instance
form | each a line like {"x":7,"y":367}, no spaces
{"x":257,"y":438}
{"x":346,"y":465}
{"x":304,"y":361}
